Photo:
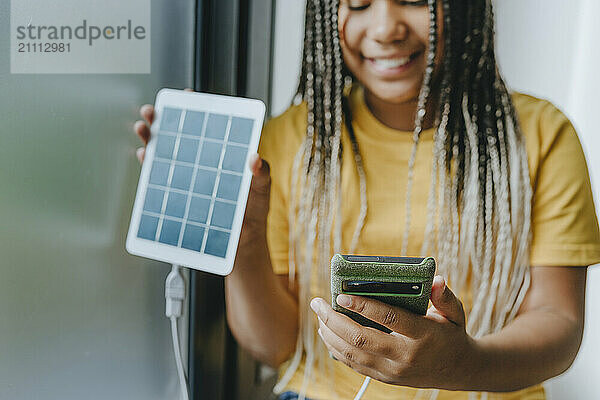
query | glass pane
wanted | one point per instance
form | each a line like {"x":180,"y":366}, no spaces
{"x":188,"y":148}
{"x":205,"y":182}
{"x":182,"y":177}
{"x":216,"y":126}
{"x":216,"y":243}
{"x":210,"y":154}
{"x":176,"y":205}
{"x":192,"y":237}
{"x":241,"y":130}
{"x":160,"y":173}
{"x":198,"y":211}
{"x":235,"y":158}
{"x":229,"y":186}
{"x":222,"y":215}
{"x":147,"y":229}
{"x":193,"y":123}
{"x":154,"y":200}
{"x":170,"y":119}
{"x":164,"y":147}
{"x":170,"y":232}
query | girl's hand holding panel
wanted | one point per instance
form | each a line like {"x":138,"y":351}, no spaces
{"x":257,"y":208}
{"x":142,"y":128}
{"x":422,"y":351}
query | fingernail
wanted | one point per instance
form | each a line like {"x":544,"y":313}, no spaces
{"x":344,"y":300}
{"x":251,"y":160}
{"x":443,"y":282}
{"x":314,"y":305}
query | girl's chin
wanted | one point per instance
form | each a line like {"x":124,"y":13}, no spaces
{"x":395,"y":96}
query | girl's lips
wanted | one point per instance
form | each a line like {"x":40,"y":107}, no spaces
{"x":394,"y":71}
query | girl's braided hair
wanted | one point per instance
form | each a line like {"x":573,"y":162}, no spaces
{"x":479,"y":206}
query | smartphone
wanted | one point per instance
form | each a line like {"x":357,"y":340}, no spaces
{"x":399,"y":281}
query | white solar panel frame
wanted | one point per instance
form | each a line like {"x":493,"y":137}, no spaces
{"x":208,"y":103}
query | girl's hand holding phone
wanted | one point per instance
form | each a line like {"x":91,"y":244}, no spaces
{"x":422,"y":351}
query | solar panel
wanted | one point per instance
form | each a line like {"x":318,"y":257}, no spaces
{"x":194,"y":183}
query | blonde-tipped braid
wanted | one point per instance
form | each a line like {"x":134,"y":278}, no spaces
{"x":479,"y":207}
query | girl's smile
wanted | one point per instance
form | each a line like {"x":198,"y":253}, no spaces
{"x":393,"y":66}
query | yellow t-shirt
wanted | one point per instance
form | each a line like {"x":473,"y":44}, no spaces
{"x":564,"y":224}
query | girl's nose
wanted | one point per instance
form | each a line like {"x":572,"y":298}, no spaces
{"x":387,"y":24}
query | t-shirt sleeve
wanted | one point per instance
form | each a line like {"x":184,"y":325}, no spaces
{"x":564,"y":222}
{"x":279,"y":143}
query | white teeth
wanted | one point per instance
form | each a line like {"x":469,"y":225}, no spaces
{"x":389,"y":63}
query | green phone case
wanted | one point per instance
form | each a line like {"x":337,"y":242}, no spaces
{"x":409,"y":278}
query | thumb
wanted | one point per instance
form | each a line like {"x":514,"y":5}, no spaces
{"x":260,"y":189}
{"x":446,"y":303}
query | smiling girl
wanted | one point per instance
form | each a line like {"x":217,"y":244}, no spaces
{"x":404,"y":140}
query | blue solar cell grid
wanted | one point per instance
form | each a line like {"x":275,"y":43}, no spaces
{"x":195,"y":180}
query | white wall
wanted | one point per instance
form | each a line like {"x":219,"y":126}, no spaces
{"x":545,"y":48}
{"x":548,"y":48}
{"x":289,"y":32}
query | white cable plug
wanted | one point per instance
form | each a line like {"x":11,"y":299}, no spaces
{"x":363,"y":388}
{"x":174,"y":295}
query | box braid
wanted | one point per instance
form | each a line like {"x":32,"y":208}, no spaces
{"x":479,"y":205}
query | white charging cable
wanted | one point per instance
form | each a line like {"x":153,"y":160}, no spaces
{"x":363,"y":388}
{"x":174,"y":295}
